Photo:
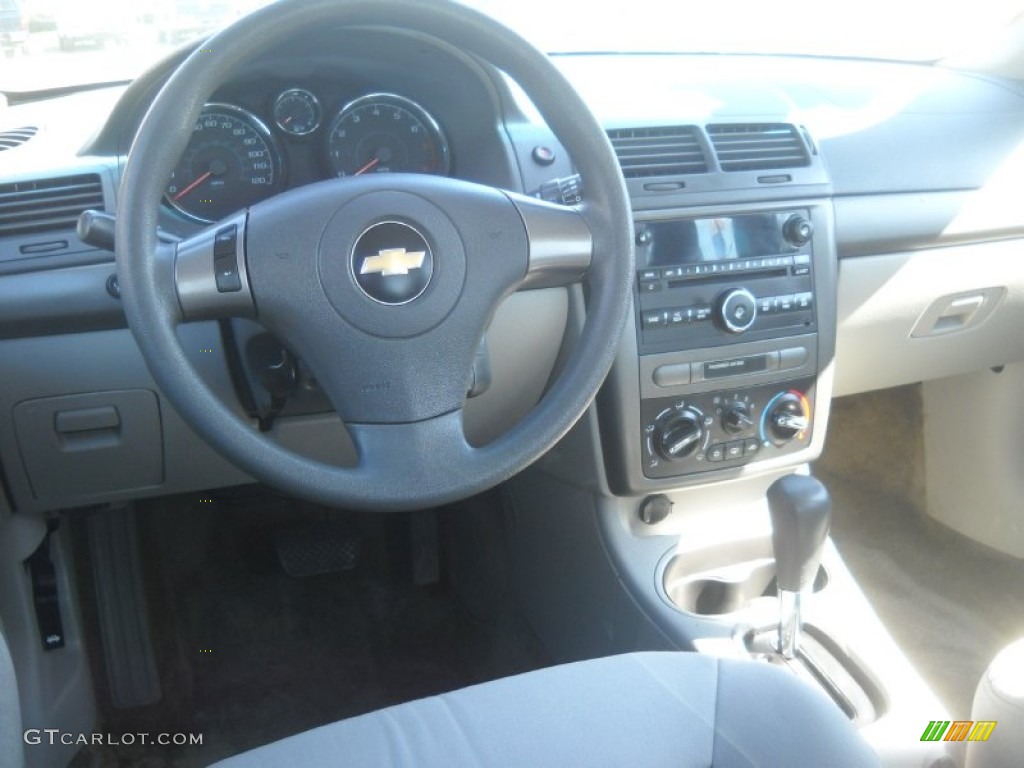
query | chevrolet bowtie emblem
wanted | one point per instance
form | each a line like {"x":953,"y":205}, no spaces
{"x":392,"y":261}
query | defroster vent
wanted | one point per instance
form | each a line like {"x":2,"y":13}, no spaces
{"x":658,"y":151}
{"x":47,"y":205}
{"x":758,"y":147}
{"x":15,"y":137}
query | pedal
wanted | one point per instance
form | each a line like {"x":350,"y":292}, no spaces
{"x":317,"y":548}
{"x":123,"y":618}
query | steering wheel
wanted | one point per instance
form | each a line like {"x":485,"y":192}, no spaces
{"x":382,"y":285}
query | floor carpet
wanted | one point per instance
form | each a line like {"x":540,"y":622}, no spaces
{"x":950,"y":602}
{"x":249,"y":655}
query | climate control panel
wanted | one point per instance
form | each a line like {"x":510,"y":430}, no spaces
{"x":703,"y":432}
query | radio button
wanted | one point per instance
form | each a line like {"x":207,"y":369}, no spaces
{"x":677,"y":317}
{"x":671,"y":375}
{"x":671,"y":273}
{"x":793,"y":357}
{"x":653,"y":319}
{"x":650,"y":286}
{"x":785,"y":261}
{"x":701,"y":314}
{"x":784,"y":303}
{"x":766,"y":305}
{"x":802,"y":258}
{"x":803,"y":300}
{"x":650,"y":274}
{"x":801,"y":271}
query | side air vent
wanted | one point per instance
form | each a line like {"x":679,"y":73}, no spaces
{"x":658,"y":151}
{"x":46,"y":205}
{"x":758,"y":147}
{"x":16,"y":137}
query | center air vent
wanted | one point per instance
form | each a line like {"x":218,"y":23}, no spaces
{"x":46,"y":205}
{"x":658,"y":151}
{"x":16,"y":137}
{"x":758,"y":147}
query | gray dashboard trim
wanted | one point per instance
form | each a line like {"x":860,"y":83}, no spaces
{"x":71,"y":300}
{"x":869,"y":225}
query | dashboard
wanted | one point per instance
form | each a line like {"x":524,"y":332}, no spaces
{"x":763,"y":288}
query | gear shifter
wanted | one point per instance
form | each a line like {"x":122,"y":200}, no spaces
{"x":800,"y":510}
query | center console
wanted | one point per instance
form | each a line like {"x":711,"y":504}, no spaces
{"x":726,"y":369}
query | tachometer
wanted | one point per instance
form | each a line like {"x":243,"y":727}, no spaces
{"x":385,"y":133}
{"x":230,"y":163}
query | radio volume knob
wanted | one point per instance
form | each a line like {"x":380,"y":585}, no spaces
{"x":737,"y":310}
{"x":797,"y":230}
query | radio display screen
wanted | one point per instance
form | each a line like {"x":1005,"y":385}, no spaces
{"x":687,"y":241}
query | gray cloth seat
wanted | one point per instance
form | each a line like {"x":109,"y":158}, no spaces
{"x":683,"y":710}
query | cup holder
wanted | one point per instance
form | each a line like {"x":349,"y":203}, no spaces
{"x":724,"y":580}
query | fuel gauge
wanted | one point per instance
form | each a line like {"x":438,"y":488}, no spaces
{"x":297,"y":112}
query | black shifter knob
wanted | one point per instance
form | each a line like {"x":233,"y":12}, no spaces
{"x":801,"y":511}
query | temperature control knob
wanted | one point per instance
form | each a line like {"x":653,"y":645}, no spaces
{"x":737,"y":310}
{"x":788,"y":417}
{"x":678,"y":434}
{"x":736,"y":418}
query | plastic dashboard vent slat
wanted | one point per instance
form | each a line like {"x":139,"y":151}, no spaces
{"x":658,"y":151}
{"x":758,"y":147}
{"x":47,"y":205}
{"x":16,"y":137}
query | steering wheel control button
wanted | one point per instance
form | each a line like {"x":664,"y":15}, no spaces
{"x":225,"y":260}
{"x":737,"y":310}
{"x":392,"y":263}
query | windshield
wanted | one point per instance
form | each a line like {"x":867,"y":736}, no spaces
{"x":55,"y":43}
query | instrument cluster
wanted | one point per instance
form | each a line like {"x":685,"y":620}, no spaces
{"x":235,"y":158}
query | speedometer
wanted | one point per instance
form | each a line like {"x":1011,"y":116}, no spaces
{"x":385,"y":133}
{"x":230,"y":163}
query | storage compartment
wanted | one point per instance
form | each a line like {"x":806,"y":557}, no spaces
{"x":87,"y":445}
{"x":725,"y":579}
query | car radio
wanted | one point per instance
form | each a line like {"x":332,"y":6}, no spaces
{"x":705,"y":282}
{"x":726,"y":318}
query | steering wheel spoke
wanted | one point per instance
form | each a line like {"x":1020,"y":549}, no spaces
{"x":211,"y":277}
{"x":561,"y":243}
{"x":432,"y":449}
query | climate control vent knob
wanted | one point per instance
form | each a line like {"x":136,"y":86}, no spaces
{"x":678,"y":434}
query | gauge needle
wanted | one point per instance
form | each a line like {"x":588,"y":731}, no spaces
{"x":192,"y":186}
{"x":370,"y":165}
